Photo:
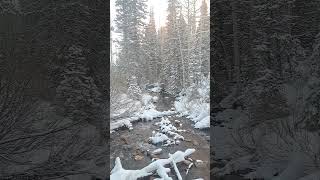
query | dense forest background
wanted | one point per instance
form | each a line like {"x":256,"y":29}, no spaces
{"x":54,"y":88}
{"x":265,"y":88}
{"x":175,"y":55}
{"x":264,"y":84}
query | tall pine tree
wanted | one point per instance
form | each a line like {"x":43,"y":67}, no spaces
{"x":130,"y":24}
{"x":152,"y":50}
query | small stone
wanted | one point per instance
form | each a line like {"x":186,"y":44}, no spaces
{"x":127,"y":147}
{"x":194,"y":142}
{"x":186,"y":162}
{"x":138,"y":157}
{"x":207,"y":138}
{"x":124,"y":139}
{"x":153,"y":156}
{"x":200,"y":164}
{"x":177,"y":123}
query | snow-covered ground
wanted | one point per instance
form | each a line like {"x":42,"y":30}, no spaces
{"x":193,"y":102}
{"x":134,"y":110}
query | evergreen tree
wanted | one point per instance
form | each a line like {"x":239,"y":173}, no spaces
{"x":203,"y":33}
{"x":152,"y":50}
{"x":183,"y":49}
{"x":172,"y":50}
{"x":77,"y":91}
{"x":129,"y":21}
{"x":134,"y":90}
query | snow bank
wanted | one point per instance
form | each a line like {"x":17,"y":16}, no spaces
{"x":127,"y":122}
{"x":149,"y":112}
{"x":193,"y":102}
{"x":122,"y":105}
{"x":153,"y":113}
{"x":204,"y":123}
{"x":136,"y":110}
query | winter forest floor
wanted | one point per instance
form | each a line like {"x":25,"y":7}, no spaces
{"x":132,"y":145}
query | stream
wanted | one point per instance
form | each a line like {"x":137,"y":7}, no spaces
{"x":131,"y":146}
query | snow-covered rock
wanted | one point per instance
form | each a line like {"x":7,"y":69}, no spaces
{"x":158,"y":138}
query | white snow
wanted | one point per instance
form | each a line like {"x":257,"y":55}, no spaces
{"x":155,"y":89}
{"x":204,"y":123}
{"x":158,"y":166}
{"x":123,"y":122}
{"x":158,"y":137}
{"x":157,"y":151}
{"x":153,"y":113}
{"x":146,"y":99}
{"x":193,"y":102}
{"x":155,"y":99}
{"x":166,"y":128}
{"x":136,"y":110}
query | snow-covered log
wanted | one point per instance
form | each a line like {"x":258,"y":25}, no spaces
{"x":158,"y":166}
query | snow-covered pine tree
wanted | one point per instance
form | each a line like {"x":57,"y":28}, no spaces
{"x":203,"y":33}
{"x":77,"y":92}
{"x":134,"y":90}
{"x":152,"y":50}
{"x":183,"y":49}
{"x":130,"y":24}
{"x":162,"y":63}
{"x":171,"y":50}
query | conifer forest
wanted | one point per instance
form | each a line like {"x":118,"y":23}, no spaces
{"x":159,"y":89}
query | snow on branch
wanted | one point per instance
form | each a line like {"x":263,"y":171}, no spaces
{"x":158,"y":167}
